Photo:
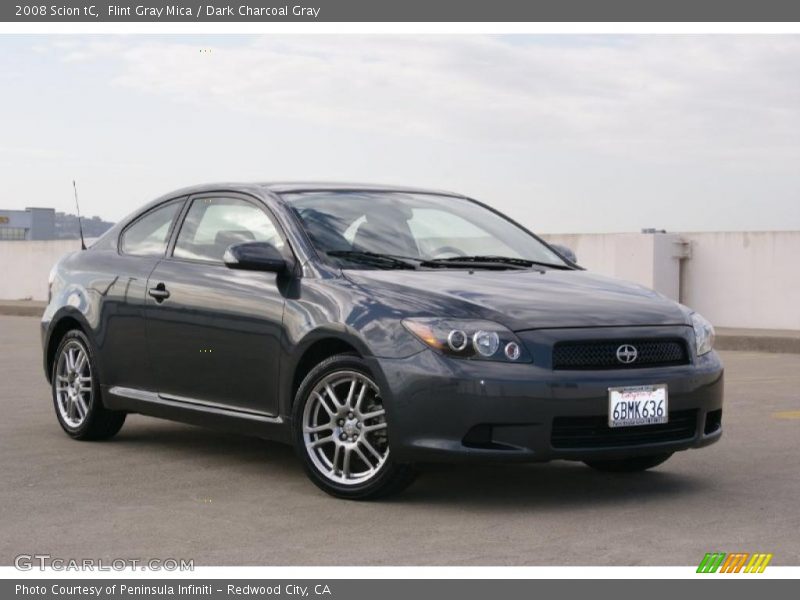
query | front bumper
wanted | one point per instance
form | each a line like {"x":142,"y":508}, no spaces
{"x":444,"y":409}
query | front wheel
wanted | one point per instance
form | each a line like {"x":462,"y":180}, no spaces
{"x":629,"y":465}
{"x":341,"y":432}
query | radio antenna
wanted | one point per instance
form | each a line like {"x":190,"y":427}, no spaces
{"x":78,"y":208}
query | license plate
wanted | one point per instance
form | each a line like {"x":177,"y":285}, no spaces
{"x":637,"y":405}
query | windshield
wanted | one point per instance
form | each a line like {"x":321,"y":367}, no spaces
{"x":422,"y":227}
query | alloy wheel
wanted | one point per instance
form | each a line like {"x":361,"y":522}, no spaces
{"x":345,"y":429}
{"x":73,"y":384}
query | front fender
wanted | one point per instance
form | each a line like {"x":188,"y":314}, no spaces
{"x":337,"y":307}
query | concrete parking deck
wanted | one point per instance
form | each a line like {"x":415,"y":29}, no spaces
{"x":163,"y":490}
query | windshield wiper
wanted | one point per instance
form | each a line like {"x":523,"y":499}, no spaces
{"x":469,"y":261}
{"x":374,"y":258}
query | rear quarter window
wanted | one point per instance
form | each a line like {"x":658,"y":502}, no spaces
{"x":148,"y":235}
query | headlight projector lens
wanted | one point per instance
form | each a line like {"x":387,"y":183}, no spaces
{"x":512,"y":351}
{"x":457,"y":340}
{"x":486,"y":343}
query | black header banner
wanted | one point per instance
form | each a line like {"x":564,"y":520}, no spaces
{"x":400,"y":10}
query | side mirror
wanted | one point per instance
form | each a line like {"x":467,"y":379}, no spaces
{"x":565,"y":252}
{"x":255,"y":256}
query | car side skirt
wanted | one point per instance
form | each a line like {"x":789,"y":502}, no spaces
{"x":197,"y":412}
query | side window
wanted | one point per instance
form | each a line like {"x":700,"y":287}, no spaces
{"x":213,"y":224}
{"x":148,"y":235}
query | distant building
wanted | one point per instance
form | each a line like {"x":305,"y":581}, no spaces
{"x":67,"y":226}
{"x":28,"y":224}
{"x":47,"y":224}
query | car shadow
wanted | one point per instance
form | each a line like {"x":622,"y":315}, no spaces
{"x":555,"y":484}
{"x":211,"y":444}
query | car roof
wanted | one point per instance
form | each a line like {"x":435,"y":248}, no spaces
{"x":328,"y":186}
{"x":279,"y":188}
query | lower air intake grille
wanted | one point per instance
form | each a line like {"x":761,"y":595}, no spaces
{"x":606,"y":354}
{"x":594,"y":432}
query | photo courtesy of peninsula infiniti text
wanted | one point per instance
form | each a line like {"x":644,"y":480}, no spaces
{"x":374,"y":328}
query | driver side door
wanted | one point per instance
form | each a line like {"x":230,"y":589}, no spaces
{"x":214,"y":333}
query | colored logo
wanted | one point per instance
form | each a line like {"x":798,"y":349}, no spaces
{"x":736,"y":562}
{"x":626,"y":354}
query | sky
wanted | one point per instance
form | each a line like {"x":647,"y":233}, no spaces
{"x":566,"y":133}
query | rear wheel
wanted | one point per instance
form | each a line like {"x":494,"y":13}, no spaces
{"x":629,"y":465}
{"x":76,"y":392}
{"x":341,"y":432}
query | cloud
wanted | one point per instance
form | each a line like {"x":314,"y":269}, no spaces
{"x":564,"y":132}
{"x":711,"y":96}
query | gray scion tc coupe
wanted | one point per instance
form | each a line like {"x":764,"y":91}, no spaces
{"x":373,"y":328}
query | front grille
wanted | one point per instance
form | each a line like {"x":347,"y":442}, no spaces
{"x":603,"y":354}
{"x":594,"y":432}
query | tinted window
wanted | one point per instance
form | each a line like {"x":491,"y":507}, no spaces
{"x":148,"y":235}
{"x":440,"y":233}
{"x":213,"y":224}
{"x":419,"y":226}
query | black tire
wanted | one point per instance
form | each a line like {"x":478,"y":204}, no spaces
{"x":629,"y":465}
{"x":390,"y":478}
{"x":99,"y":422}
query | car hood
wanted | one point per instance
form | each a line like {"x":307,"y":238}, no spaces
{"x":521,"y":299}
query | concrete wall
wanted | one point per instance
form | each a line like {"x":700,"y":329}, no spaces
{"x":735,"y":279}
{"x":653,"y":260}
{"x":745,"y":279}
{"x":25,"y":266}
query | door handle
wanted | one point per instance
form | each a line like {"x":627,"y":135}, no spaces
{"x":159,"y":292}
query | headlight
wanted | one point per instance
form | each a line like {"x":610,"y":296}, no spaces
{"x":480,"y":340}
{"x":703,"y":334}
